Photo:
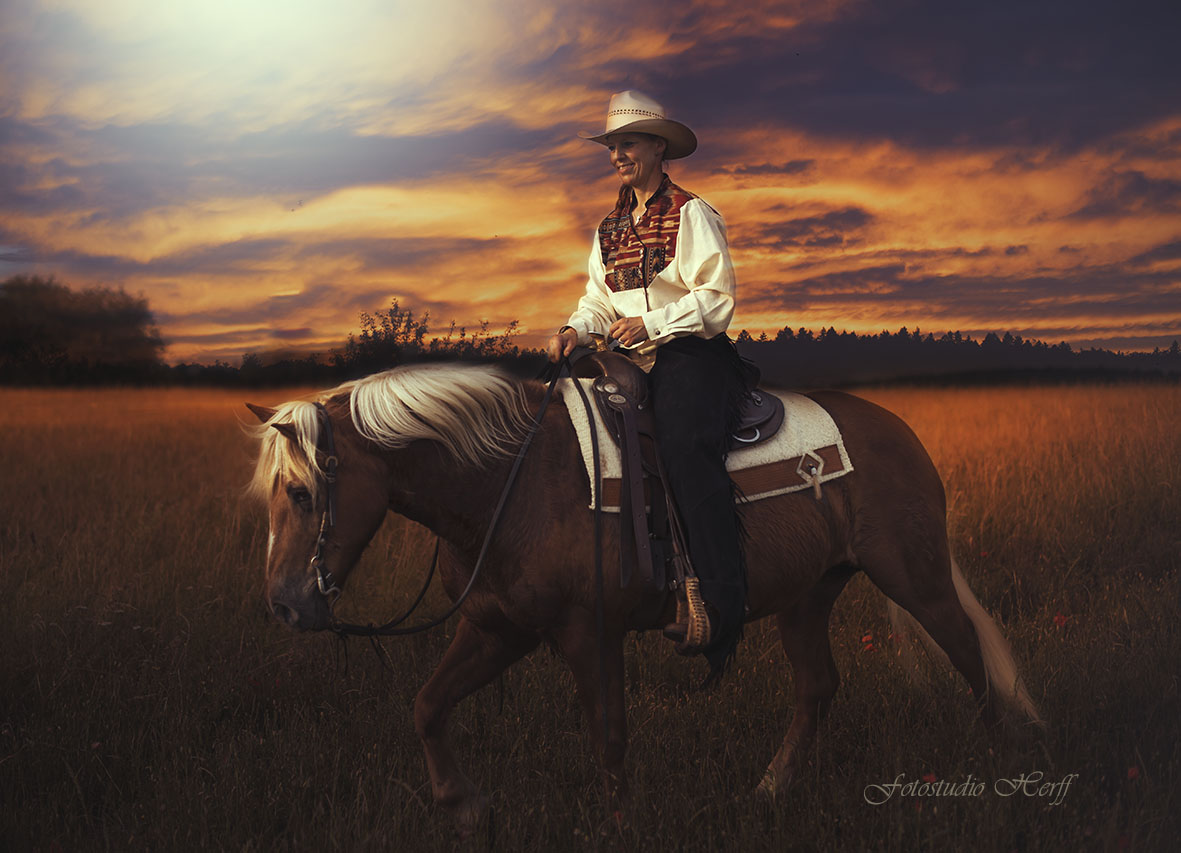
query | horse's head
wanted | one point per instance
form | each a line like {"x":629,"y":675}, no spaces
{"x":326,"y":499}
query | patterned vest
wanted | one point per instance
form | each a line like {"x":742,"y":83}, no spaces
{"x":633,"y":256}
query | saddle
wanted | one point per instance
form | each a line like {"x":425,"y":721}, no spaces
{"x":759,"y":419}
{"x":621,"y":396}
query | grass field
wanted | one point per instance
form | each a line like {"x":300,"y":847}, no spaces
{"x":149,"y":701}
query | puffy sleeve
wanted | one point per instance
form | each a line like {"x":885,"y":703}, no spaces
{"x":705,"y":270}
{"x":595,"y":312}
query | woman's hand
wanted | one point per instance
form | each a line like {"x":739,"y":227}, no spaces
{"x":629,"y":331}
{"x":562,"y":344}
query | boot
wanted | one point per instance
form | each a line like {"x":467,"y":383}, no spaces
{"x":692,"y":629}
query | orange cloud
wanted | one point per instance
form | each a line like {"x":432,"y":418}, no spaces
{"x":264,"y":172}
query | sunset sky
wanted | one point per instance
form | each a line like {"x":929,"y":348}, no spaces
{"x":264,"y":171}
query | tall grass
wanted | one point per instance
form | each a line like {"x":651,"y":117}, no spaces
{"x":148,"y":700}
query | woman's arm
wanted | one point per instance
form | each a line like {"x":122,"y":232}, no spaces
{"x":594,"y":313}
{"x":704,"y":266}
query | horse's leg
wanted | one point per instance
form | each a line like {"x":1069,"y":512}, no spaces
{"x":579,"y":643}
{"x":920,"y":581}
{"x":474,"y":658}
{"x":803,"y":630}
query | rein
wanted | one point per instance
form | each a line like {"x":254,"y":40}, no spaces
{"x":324,"y":581}
{"x":394,"y":628}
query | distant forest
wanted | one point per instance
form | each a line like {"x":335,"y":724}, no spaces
{"x":52,"y":335}
{"x":802,"y":358}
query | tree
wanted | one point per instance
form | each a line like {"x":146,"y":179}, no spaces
{"x":49,"y":332}
{"x":395,"y":335}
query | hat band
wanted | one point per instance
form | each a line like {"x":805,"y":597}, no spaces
{"x":634,"y":112}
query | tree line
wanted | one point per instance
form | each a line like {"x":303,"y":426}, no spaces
{"x":803,"y":358}
{"x":51,"y":334}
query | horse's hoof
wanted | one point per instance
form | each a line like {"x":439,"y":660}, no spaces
{"x":765,"y":792}
{"x":772,"y":786}
{"x":470,"y":814}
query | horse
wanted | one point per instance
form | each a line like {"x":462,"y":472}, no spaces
{"x":435,"y":443}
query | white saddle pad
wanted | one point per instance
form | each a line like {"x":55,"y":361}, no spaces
{"x":807,"y":449}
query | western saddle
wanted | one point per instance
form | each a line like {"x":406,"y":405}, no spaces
{"x":652,"y":544}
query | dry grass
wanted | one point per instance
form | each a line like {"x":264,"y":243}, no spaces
{"x":147,"y":699}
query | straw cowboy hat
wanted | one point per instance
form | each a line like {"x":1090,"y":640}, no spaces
{"x":635,"y":112}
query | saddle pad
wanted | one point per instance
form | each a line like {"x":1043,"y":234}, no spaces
{"x":779,"y":465}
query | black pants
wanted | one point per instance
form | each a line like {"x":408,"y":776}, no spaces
{"x":696,"y":385}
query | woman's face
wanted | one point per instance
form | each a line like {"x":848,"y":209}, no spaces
{"x":637,"y":157}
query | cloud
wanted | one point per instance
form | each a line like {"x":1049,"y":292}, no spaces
{"x":272,"y":168}
{"x":1107,"y":294}
{"x":1166,"y":252}
{"x":791,"y":167}
{"x":997,"y":74}
{"x":129,"y":170}
{"x":833,"y":228}
{"x":1130,"y":193}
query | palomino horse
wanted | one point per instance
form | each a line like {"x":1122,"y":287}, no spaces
{"x":434,"y":443}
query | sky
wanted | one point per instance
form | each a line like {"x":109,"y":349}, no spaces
{"x":263,"y":171}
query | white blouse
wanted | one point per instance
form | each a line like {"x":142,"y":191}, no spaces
{"x":693,"y":295}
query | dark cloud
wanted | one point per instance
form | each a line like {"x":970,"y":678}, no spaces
{"x":223,"y":339}
{"x":1131,"y":192}
{"x":211,"y":260}
{"x":286,"y":309}
{"x":14,"y":132}
{"x":834,"y":228}
{"x":400,"y":253}
{"x":139,"y":167}
{"x":1107,"y":292}
{"x":791,"y":167}
{"x":19,"y":188}
{"x":1165,"y":252}
{"x":391,"y":254}
{"x":932,"y":74}
{"x":285,"y":334}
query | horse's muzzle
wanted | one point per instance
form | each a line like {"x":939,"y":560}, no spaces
{"x":313,"y":616}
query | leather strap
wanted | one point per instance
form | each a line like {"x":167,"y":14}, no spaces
{"x":634,"y":541}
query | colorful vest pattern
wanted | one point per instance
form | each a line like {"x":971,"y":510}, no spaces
{"x":634,"y":255}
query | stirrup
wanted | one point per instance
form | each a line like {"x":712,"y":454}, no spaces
{"x":692,"y":629}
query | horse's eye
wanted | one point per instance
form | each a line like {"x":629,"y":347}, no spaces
{"x":300,"y":495}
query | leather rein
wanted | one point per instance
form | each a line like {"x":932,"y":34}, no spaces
{"x":393,"y":628}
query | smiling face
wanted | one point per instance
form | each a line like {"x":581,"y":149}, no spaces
{"x":637,"y":158}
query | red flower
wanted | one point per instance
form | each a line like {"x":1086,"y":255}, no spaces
{"x":1060,"y":620}
{"x":928,"y":777}
{"x":1133,"y":772}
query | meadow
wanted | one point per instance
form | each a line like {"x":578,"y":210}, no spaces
{"x":148,"y":700}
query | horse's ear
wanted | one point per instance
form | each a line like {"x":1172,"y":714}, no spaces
{"x":261,"y":412}
{"x":287,"y":430}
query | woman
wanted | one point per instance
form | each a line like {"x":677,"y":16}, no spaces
{"x":661,"y":282}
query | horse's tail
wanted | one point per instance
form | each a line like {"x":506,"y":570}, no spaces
{"x":994,"y":648}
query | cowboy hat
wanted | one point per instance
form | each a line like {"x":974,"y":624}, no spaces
{"x":635,"y":112}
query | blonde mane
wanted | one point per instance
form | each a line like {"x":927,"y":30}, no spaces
{"x":476,"y":412}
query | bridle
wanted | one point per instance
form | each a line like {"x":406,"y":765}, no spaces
{"x":324,"y":580}
{"x":331,"y":590}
